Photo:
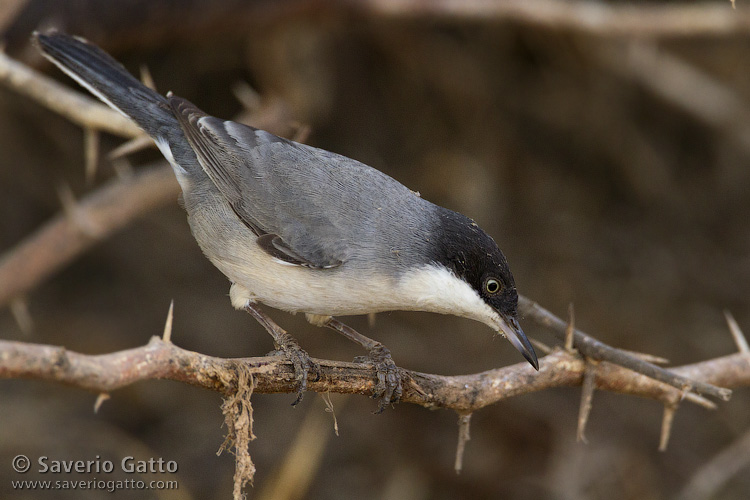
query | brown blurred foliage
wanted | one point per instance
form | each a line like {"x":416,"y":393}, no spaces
{"x":613,"y":172}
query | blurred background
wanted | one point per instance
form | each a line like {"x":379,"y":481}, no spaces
{"x":605,"y":146}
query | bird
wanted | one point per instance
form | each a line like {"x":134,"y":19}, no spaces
{"x":305,"y":230}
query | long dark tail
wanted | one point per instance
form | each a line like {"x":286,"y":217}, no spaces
{"x":107,"y":79}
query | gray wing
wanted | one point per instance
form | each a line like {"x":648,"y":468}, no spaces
{"x":275,"y":186}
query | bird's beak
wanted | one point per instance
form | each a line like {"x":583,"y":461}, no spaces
{"x":510,"y":328}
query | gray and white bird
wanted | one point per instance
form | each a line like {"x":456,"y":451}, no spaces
{"x":305,"y":230}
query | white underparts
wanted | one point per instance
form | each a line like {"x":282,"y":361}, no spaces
{"x":240,"y":296}
{"x":321,"y":294}
{"x":317,"y":319}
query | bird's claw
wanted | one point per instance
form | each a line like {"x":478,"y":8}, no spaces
{"x":301,"y":361}
{"x":388,"y":389}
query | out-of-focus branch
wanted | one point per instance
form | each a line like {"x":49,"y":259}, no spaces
{"x":160,"y":359}
{"x":9,"y":10}
{"x":589,"y":16}
{"x":77,"y":107}
{"x":667,"y":76}
{"x":234,"y":19}
{"x":709,"y":480}
{"x":87,"y":222}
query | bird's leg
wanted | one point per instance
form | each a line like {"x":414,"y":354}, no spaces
{"x":388,"y":388}
{"x":285,"y":343}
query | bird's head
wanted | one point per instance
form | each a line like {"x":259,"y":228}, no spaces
{"x":488,"y":275}
{"x":473,"y":258}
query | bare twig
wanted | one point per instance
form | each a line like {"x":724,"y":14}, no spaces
{"x":595,"y":349}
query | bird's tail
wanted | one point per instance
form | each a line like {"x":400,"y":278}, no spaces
{"x":107,"y":79}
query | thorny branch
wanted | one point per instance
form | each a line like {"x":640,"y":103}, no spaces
{"x":161,"y":359}
{"x":597,"y":350}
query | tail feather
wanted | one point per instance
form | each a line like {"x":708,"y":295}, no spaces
{"x":107,"y":79}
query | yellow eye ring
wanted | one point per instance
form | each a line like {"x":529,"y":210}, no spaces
{"x":492,"y":286}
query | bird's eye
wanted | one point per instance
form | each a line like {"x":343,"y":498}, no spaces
{"x":492,"y":286}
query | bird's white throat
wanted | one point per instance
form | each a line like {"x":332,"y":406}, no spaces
{"x":437,"y":289}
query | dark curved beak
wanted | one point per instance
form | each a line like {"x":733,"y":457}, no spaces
{"x":512,"y":331}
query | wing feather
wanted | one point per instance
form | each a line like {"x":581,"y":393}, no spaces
{"x":233,"y":156}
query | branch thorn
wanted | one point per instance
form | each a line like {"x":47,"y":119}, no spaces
{"x":247,"y":96}
{"x":146,"y":77}
{"x":666,"y":425}
{"x":464,"y":424}
{"x":73,"y":212}
{"x":544,"y":348}
{"x":167,"y":335}
{"x":19,"y":307}
{"x":131,"y":146}
{"x":91,"y":153}
{"x":570,"y":329}
{"x":587,"y":395}
{"x":736,"y":331}
{"x":100,"y":399}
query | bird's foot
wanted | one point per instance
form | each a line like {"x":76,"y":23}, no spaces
{"x":288,"y":347}
{"x":303,"y":364}
{"x":388,"y":388}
